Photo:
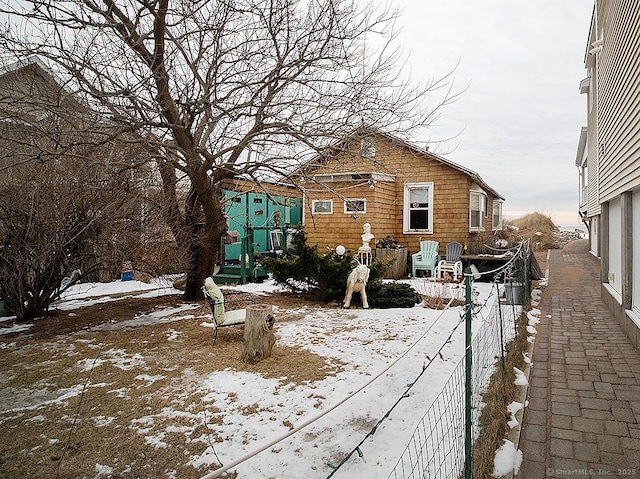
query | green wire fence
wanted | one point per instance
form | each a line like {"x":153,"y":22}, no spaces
{"x":442,"y":442}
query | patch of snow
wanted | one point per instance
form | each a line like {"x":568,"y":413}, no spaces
{"x":103,"y":470}
{"x":16,"y":328}
{"x":101,"y":421}
{"x":121,"y":393}
{"x":507,"y":459}
{"x":521,"y":378}
{"x":513,"y":409}
{"x":30,"y":399}
{"x":149,"y":379}
{"x":172,"y":334}
{"x":38,"y":418}
{"x":160,"y":316}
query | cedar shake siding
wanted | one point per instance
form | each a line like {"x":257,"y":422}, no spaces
{"x":381,"y":181}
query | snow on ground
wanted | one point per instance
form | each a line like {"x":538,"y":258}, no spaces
{"x":86,"y":294}
{"x":394,"y":344}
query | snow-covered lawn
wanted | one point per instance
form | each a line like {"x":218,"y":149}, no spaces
{"x":303,"y":427}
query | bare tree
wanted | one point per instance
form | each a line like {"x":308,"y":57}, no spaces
{"x":62,"y":220}
{"x":73,"y":205}
{"x":225,"y":88}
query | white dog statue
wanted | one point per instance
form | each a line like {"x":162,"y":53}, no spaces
{"x":356,"y":284}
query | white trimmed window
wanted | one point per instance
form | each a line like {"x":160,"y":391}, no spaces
{"x":322,"y":207}
{"x":477,"y":210}
{"x":355,"y":205}
{"x":496,"y":216}
{"x":417,"y":214}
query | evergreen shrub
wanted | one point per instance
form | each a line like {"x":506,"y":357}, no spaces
{"x":305,"y":269}
{"x":392,"y":295}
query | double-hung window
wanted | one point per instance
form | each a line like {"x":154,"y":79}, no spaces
{"x":418,"y":208}
{"x":496,"y":217}
{"x":477,"y":210}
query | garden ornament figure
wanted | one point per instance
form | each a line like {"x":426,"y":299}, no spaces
{"x":364,"y":252}
{"x":356,"y":284}
{"x":366,"y":236}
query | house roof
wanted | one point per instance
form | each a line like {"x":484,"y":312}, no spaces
{"x":32,"y":61}
{"x":358,"y":133}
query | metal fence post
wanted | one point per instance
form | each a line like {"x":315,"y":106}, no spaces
{"x":467,"y":379}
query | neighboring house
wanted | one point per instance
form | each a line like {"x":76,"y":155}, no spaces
{"x":402,"y":190}
{"x":41,"y":121}
{"x":32,"y":101}
{"x":609,"y":156}
{"x":29,"y":91}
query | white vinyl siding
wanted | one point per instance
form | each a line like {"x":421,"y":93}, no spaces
{"x":617,"y":93}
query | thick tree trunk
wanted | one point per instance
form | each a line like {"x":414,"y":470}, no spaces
{"x":258,"y":333}
{"x":199,"y":230}
{"x":204,"y":252}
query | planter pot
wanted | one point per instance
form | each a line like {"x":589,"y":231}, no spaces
{"x":398,"y":257}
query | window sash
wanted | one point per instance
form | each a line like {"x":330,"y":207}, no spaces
{"x":418,"y":204}
{"x":496,"y":221}
{"x":322,"y":207}
{"x":477,"y":210}
{"x":355,"y":205}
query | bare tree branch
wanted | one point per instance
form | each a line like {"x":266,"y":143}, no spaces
{"x":221,"y":89}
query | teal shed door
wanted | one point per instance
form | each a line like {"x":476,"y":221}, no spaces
{"x":258,"y":217}
{"x":236,"y":209}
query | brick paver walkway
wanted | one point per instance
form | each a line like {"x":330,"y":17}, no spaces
{"x":583,"y":418}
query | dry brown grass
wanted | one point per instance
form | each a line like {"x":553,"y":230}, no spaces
{"x":102,"y":424}
{"x":500,"y":393}
{"x":538,"y":228}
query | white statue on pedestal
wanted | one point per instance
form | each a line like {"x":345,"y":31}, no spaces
{"x":364,"y":252}
{"x":366,"y":236}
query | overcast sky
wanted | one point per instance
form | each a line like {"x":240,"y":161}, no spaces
{"x":519,"y":120}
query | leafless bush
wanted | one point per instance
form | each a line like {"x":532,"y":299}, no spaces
{"x":437,"y":294}
{"x":68,"y":211}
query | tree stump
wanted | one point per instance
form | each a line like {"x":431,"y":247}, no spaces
{"x":258,"y":333}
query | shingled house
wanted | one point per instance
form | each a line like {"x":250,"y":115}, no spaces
{"x":402,"y":190}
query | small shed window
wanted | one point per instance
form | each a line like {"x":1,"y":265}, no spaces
{"x":322,"y":207}
{"x":368,"y":147}
{"x":477,"y":210}
{"x":418,"y":208}
{"x":496,"y":217}
{"x":358,"y":205}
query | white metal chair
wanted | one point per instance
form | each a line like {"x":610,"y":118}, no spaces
{"x":221,"y":317}
{"x":452,"y":262}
